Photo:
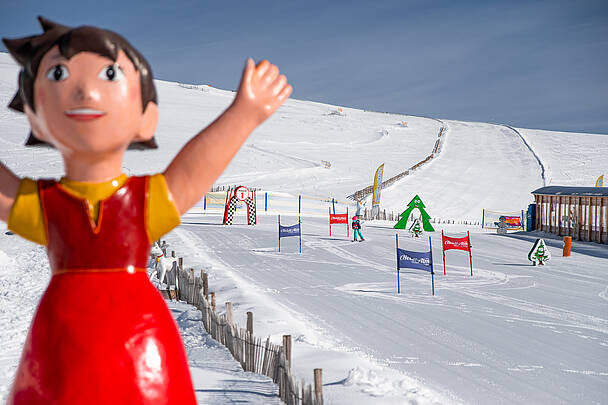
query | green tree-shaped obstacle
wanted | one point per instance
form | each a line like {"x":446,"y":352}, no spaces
{"x":539,"y":253}
{"x":415,"y":228}
{"x":415,"y":203}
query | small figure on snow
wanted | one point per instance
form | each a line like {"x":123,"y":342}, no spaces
{"x":356,"y":224}
{"x":501,"y":226}
{"x":415,"y":229}
{"x":539,"y":253}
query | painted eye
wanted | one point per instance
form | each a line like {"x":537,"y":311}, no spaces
{"x":58,"y":73}
{"x":112,"y":73}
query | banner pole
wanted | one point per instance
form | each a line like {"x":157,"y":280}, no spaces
{"x":483,"y":216}
{"x":265,"y":201}
{"x":299,"y":204}
{"x":443,"y":251}
{"x":329,"y":212}
{"x":333,"y":204}
{"x":398,"y":282}
{"x":205,"y":203}
{"x":347,"y":227}
{"x":432,"y":272}
{"x":300,"y":223}
{"x":470,"y":253}
{"x":279,"y":233}
{"x":397,"y":250}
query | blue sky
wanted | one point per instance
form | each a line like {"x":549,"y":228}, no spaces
{"x":532,"y":64}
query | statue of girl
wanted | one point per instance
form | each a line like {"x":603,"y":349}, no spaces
{"x":102,"y":333}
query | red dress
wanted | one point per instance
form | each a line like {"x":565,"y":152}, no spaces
{"x":102,"y":334}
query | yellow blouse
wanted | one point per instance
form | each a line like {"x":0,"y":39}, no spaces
{"x":26,"y":217}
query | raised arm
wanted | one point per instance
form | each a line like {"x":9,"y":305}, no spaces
{"x":9,"y":183}
{"x":203,"y":159}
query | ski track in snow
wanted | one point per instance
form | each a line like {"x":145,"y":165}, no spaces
{"x":218,"y":378}
{"x":604,"y":294}
{"x":371,"y":379}
{"x":299,"y":161}
{"x":493,"y":298}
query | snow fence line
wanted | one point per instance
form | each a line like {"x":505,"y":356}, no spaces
{"x":395,"y":216}
{"x":540,"y":163}
{"x":253,"y":353}
{"x":361,"y":194}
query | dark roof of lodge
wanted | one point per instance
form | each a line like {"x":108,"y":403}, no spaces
{"x":573,"y":191}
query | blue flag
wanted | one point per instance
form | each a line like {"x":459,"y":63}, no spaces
{"x":293,"y":230}
{"x":415,"y":260}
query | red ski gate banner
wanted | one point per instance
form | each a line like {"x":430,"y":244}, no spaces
{"x":463,"y":243}
{"x":338,"y":219}
{"x":456,"y":243}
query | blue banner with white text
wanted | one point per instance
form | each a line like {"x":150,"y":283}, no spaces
{"x":415,"y":260}
{"x":285,"y":231}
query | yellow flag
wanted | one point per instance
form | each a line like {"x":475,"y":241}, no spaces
{"x":377,"y":185}
{"x":600,"y":181}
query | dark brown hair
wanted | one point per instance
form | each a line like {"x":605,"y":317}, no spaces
{"x":29,"y":51}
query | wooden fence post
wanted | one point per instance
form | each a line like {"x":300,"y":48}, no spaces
{"x":191,"y":286}
{"x":318,"y":386}
{"x":287,"y":348}
{"x":205,"y":285}
{"x":250,"y":340}
{"x":271,"y":360}
{"x":250,"y":322}
{"x":229,"y":312}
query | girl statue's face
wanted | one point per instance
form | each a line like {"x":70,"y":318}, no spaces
{"x":89,"y":105}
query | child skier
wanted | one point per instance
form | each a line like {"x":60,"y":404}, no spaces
{"x":102,"y":333}
{"x":356,"y":224}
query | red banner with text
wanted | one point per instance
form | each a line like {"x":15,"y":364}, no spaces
{"x":463,"y":243}
{"x":338,"y":218}
{"x":456,"y":243}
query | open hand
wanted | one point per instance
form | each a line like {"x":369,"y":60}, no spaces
{"x":262,"y":90}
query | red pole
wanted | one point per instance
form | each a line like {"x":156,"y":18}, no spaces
{"x":329,"y":210}
{"x":470,"y":254}
{"x":443,"y":251}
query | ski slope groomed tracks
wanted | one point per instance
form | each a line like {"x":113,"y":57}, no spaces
{"x":480,"y":166}
{"x":511,"y":334}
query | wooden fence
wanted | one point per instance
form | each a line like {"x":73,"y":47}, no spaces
{"x":253,"y":353}
{"x":394,"y":216}
{"x":361,"y":194}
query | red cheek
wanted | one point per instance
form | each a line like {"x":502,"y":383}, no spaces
{"x":41,"y":96}
{"x":133,"y":93}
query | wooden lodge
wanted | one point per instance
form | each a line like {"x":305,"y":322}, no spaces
{"x":580,"y":212}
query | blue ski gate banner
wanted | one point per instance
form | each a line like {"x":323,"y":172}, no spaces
{"x":285,"y":231}
{"x":291,"y":230}
{"x":414,"y":260}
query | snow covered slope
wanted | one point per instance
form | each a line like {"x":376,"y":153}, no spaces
{"x":480,"y":166}
{"x":511,"y":334}
{"x":570,"y":159}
